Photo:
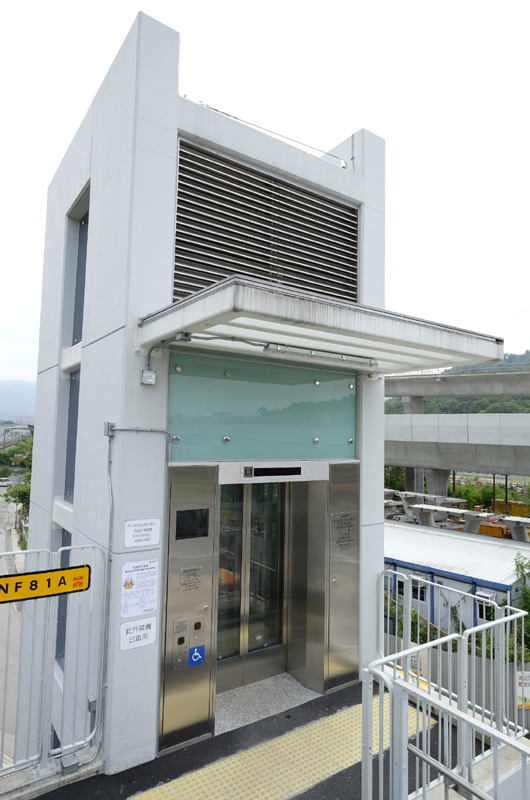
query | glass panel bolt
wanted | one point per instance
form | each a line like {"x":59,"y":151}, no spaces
{"x":228,"y":373}
{"x":316,"y":441}
{"x":352,"y":386}
{"x":226,"y":439}
{"x":176,"y":439}
{"x":178,"y":368}
{"x":350,"y":441}
{"x":317,"y":383}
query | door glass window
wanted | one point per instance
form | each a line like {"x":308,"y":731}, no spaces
{"x":266,"y":566}
{"x":229,"y":602}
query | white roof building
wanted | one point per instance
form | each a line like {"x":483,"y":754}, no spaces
{"x":465,"y":557}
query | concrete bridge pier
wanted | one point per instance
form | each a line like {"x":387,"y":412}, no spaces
{"x":437,"y":481}
{"x":414,"y":481}
{"x":414,"y":477}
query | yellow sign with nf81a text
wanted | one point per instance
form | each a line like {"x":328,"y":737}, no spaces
{"x":29,"y":585}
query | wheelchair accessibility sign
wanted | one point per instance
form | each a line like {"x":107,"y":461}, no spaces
{"x":196,"y":656}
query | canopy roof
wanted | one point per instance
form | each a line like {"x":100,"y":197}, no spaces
{"x":244,"y":315}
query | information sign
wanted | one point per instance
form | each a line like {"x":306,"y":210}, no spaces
{"x":139,"y":588}
{"x":138,"y":633}
{"x":45,"y":583}
{"x":142,"y":532}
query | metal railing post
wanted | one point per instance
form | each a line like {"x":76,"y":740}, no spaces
{"x":367,"y":732}
{"x":462,"y":695}
{"x":398,"y":743}
{"x":48,"y":680}
{"x":499,"y":709}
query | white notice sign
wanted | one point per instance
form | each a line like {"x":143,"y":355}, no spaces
{"x":142,"y":532}
{"x":137,"y":633}
{"x":139,"y":588}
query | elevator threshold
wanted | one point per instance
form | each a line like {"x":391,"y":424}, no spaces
{"x":255,"y":701}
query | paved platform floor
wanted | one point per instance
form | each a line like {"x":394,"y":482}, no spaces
{"x":311,"y":751}
{"x":248,"y":704}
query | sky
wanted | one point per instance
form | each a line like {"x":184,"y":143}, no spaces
{"x":444,"y":83}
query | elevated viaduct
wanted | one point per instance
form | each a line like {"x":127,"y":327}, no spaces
{"x":431,"y":445}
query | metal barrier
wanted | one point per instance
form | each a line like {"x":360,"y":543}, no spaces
{"x":453,"y":690}
{"x":50,"y":689}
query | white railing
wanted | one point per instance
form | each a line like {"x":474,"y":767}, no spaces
{"x":445,"y":689}
{"x":50,"y":686}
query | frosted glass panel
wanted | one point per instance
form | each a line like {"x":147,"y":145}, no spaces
{"x":266,"y":411}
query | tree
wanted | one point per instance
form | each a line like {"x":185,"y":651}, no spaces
{"x":395,"y":478}
{"x":20,"y":455}
{"x":394,"y":406}
{"x":19,"y":493}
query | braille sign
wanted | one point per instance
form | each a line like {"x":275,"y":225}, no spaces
{"x":46,"y":583}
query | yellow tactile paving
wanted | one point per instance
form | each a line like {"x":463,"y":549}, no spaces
{"x":282,"y":767}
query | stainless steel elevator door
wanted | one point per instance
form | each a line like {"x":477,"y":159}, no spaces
{"x":251,"y":598}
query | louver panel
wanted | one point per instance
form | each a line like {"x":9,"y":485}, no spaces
{"x":235,"y":220}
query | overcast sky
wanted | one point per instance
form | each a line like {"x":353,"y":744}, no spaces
{"x":446,"y":84}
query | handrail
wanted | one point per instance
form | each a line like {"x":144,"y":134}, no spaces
{"x":456,"y":714}
{"x":455,"y":778}
{"x":413,"y":650}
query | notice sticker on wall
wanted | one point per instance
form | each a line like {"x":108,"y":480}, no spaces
{"x":137,"y":633}
{"x":139,"y":588}
{"x":142,"y":532}
{"x":343,"y":528}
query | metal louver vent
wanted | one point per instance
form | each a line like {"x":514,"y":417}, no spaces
{"x":235,"y":220}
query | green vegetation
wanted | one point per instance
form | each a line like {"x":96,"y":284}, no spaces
{"x":394,"y":406}
{"x":395,"y":478}
{"x":465,"y":405}
{"x":20,"y":457}
{"x":513,"y":362}
{"x":482,"y":495}
{"x":475,"y":405}
{"x":19,"y":493}
{"x":478,"y":405}
{"x":522,"y":570}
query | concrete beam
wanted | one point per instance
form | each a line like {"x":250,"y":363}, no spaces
{"x":502,"y":384}
{"x":489,"y":443}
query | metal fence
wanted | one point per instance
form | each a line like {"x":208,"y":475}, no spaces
{"x":456,"y":714}
{"x":50,"y":689}
{"x":487,"y":368}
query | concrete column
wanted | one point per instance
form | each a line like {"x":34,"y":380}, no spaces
{"x":414,"y":480}
{"x":371,"y":455}
{"x":412,"y":405}
{"x":437,"y":481}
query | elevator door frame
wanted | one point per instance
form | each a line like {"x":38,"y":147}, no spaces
{"x":246,"y":667}
{"x":321,"y":658}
